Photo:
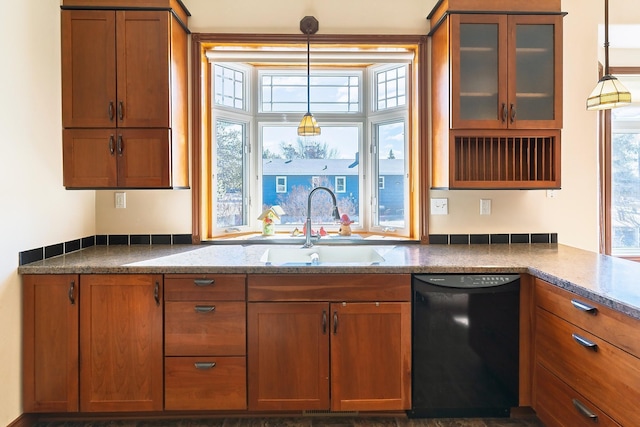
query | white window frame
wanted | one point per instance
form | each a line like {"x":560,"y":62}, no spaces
{"x":340,"y":188}
{"x":246,"y":88}
{"x":380,"y":182}
{"x":281,"y":188}
{"x":368,"y":186}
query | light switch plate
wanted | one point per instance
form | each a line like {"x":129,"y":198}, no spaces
{"x":439,"y":206}
{"x":485,"y":206}
{"x":121,"y":200}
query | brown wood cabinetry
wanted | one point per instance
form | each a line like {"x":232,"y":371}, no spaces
{"x":92,"y":343}
{"x":303,"y":353}
{"x":587,"y":366}
{"x":124,"y":96}
{"x":50,"y":350}
{"x":205,"y":342}
{"x":121,"y":343}
{"x":496,"y":94}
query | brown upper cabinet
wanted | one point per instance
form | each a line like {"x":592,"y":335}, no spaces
{"x":496,"y":94}
{"x":124,"y":70}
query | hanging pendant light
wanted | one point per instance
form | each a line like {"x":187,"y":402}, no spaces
{"x":609,"y":92}
{"x":308,"y":125}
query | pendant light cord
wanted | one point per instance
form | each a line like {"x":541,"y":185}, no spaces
{"x":606,"y":37}
{"x":308,"y":74}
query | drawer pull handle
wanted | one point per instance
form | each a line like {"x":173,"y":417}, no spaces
{"x":584,"y":410}
{"x":205,"y":365}
{"x":335,"y":322}
{"x":205,"y":308}
{"x":585,"y":342}
{"x":584,"y":307}
{"x":203,"y":282}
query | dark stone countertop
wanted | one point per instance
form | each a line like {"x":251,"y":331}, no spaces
{"x":610,"y":281}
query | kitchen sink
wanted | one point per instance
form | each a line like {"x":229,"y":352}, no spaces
{"x":322,"y":255}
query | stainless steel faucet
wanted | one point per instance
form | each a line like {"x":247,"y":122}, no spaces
{"x":335,"y":213}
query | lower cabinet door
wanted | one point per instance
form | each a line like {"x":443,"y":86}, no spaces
{"x":205,"y":383}
{"x":558,"y":405}
{"x":121,"y":342}
{"x":370,"y":356}
{"x":288,"y":356}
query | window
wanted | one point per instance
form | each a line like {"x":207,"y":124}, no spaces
{"x":255,"y":99}
{"x":229,"y":87}
{"x":281,"y":184}
{"x":625,"y":174}
{"x":391,"y":88}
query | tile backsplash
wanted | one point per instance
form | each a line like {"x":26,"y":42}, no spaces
{"x":38,"y":254}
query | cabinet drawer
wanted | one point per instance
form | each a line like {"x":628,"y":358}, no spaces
{"x":206,"y":383}
{"x":210,"y":328}
{"x":329,"y":287}
{"x":604,"y":374}
{"x":204,"y":287}
{"x":558,"y":404}
{"x":617,"y":328}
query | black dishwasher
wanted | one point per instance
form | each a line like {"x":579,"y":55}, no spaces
{"x":465,"y":342}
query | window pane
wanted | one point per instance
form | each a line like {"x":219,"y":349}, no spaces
{"x":228,"y":87}
{"x":327,"y":93}
{"x":230,"y":174}
{"x":391,"y":89}
{"x":625,"y":172}
{"x":625,"y":193}
{"x":391,"y":182}
{"x":329,"y":160}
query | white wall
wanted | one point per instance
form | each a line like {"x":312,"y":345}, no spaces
{"x":36,"y":210}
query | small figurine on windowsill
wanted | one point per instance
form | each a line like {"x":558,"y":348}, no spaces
{"x":268,"y":218}
{"x":345,"y":225}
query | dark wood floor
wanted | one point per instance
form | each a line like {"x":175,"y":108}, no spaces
{"x":315,"y":421}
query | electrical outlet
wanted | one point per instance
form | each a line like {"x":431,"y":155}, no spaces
{"x":485,"y":206}
{"x":439,"y":206}
{"x":121,"y":200}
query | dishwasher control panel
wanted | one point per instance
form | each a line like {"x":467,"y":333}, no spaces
{"x":467,"y":280}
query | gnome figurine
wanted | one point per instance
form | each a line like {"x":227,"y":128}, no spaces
{"x":345,"y":225}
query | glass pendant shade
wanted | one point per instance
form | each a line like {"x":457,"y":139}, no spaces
{"x":608,"y":93}
{"x":308,"y":126}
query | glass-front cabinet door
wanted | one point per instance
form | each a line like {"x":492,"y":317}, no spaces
{"x":505,"y":71}
{"x":535,"y":79}
{"x":479,"y":71}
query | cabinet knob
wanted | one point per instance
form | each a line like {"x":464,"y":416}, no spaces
{"x":111,"y":111}
{"x":335,"y":322}
{"x":120,"y":110}
{"x":111,"y":145}
{"x":513,"y":113}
